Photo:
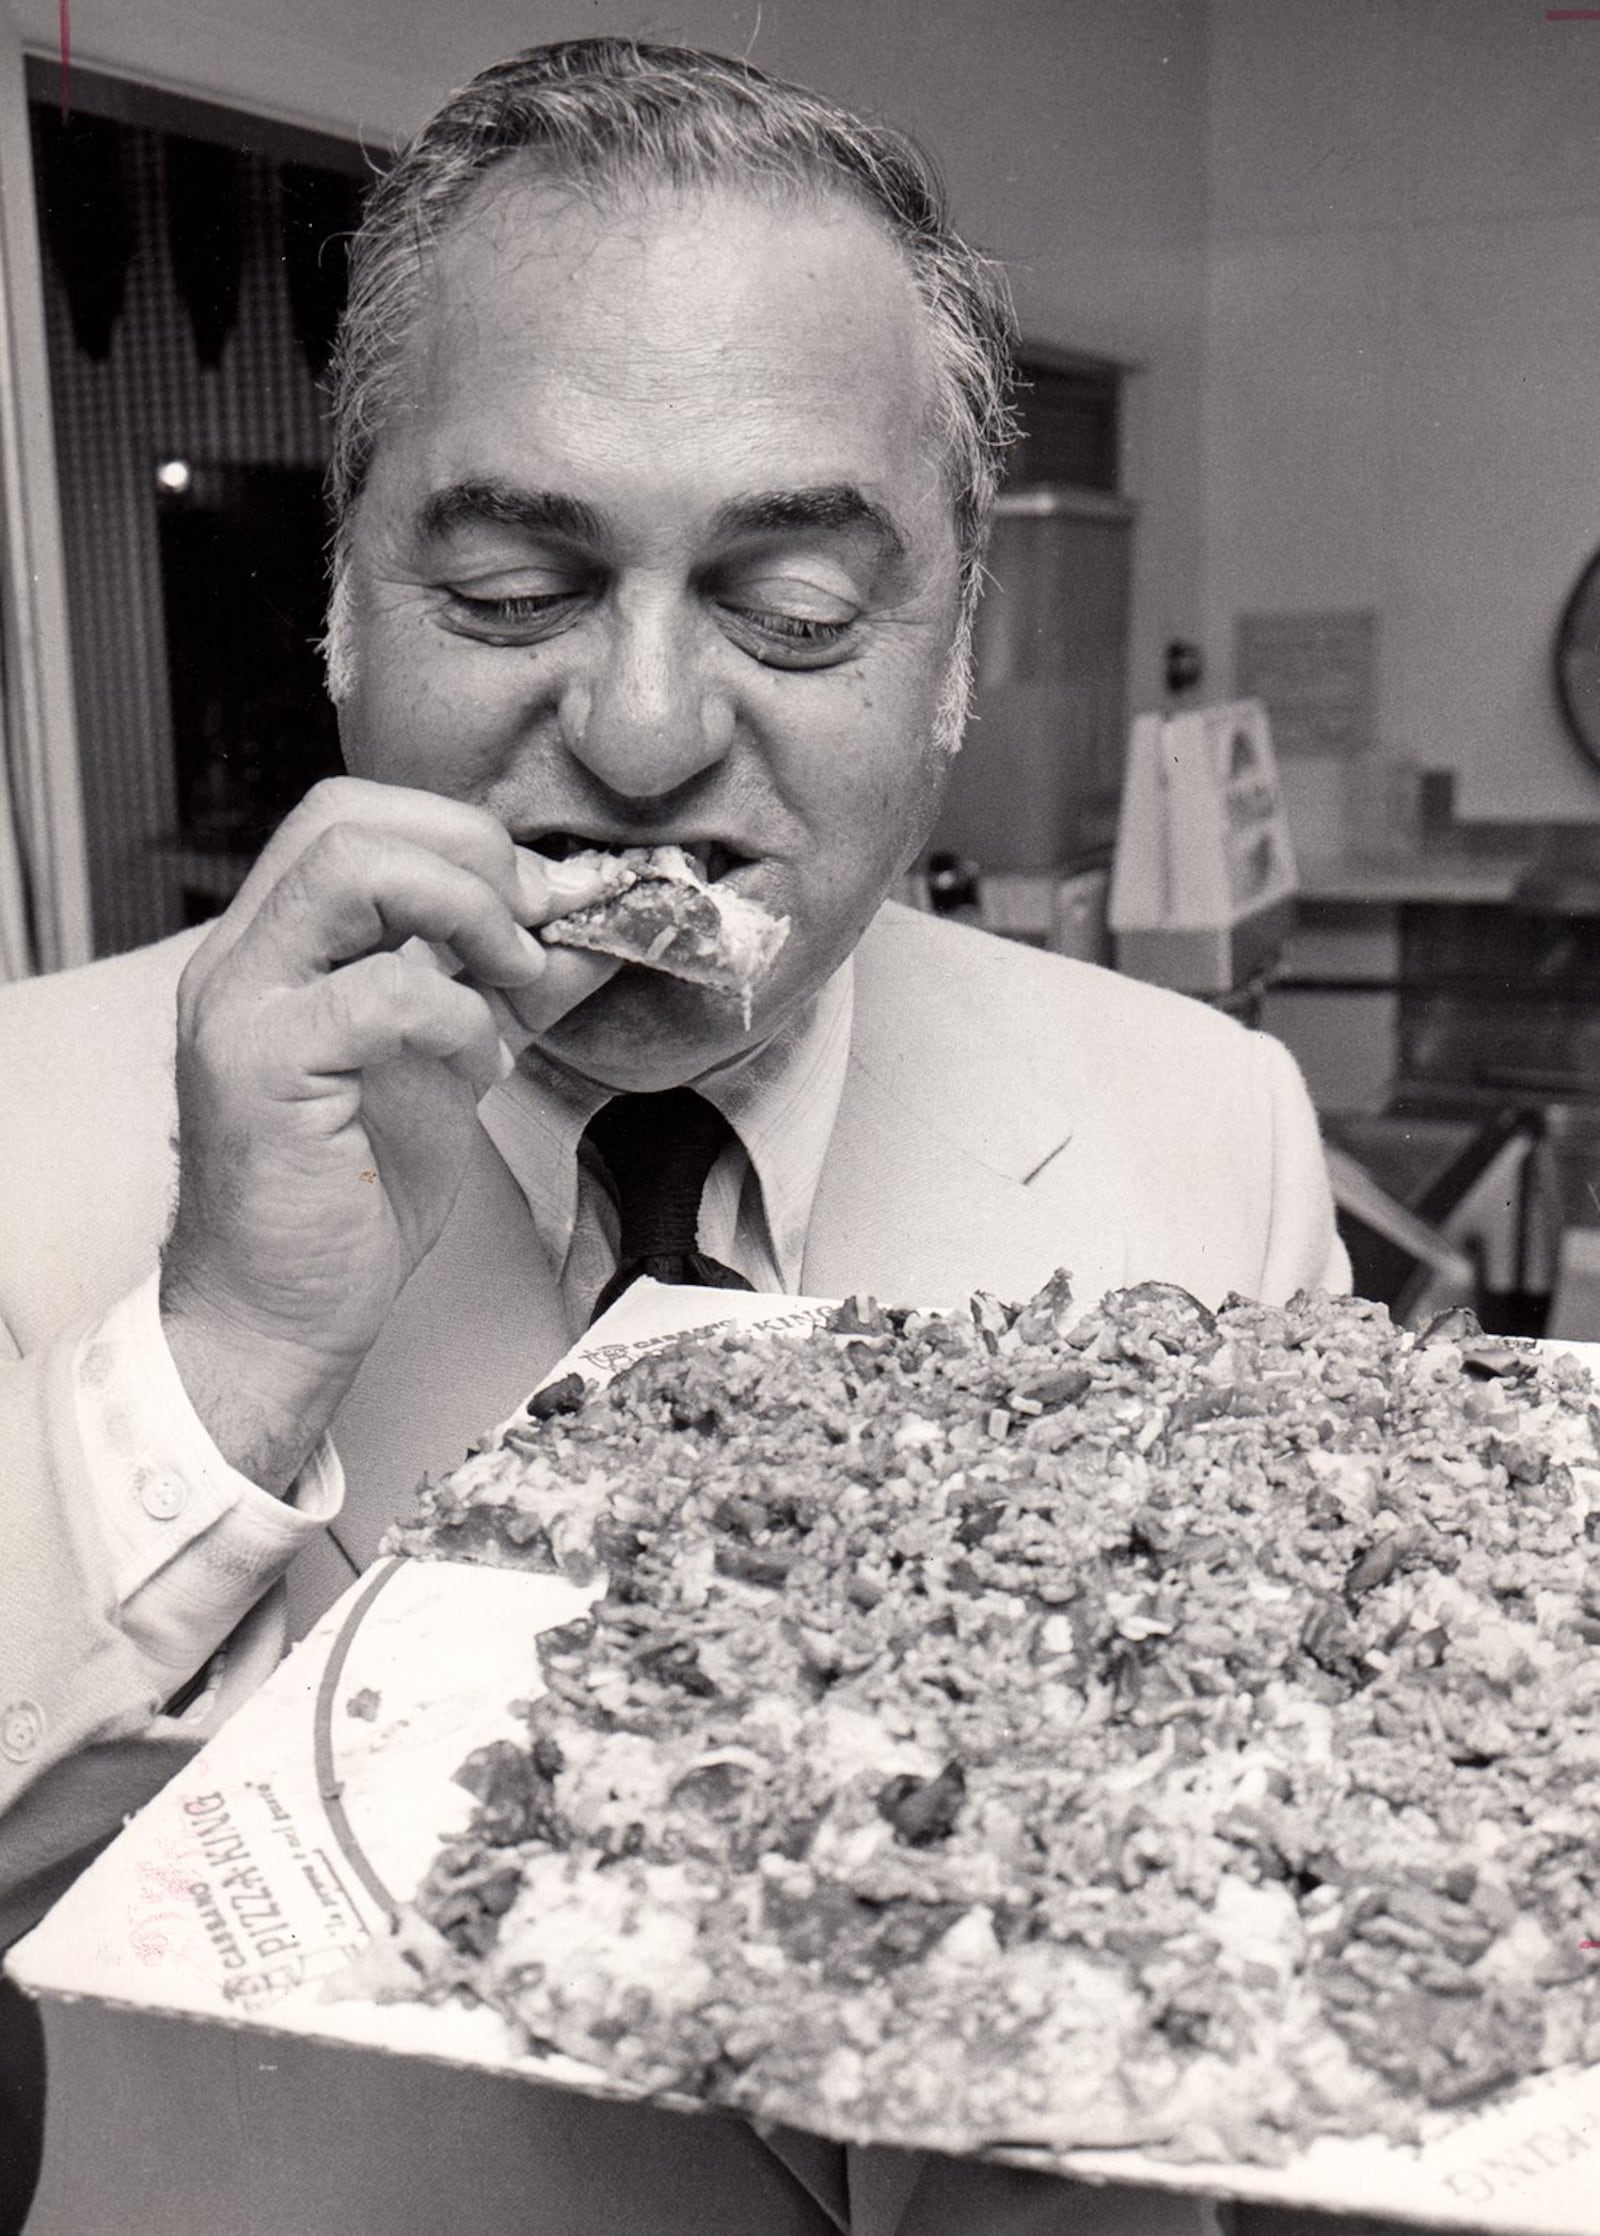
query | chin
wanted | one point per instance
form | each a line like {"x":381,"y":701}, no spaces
{"x":643,"y":1031}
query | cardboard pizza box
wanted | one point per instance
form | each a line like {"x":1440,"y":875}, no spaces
{"x":1203,"y":877}
{"x":240,"y":1897}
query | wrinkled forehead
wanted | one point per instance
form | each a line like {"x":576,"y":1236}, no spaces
{"x":531,"y":195}
{"x":629,"y":284}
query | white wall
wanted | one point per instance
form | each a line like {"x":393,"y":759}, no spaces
{"x":1375,"y":384}
{"x":1071,"y":133}
{"x":1403,"y":373}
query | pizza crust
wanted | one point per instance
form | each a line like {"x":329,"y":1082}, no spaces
{"x":664,"y":914}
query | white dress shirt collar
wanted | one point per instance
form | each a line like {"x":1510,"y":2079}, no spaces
{"x":780,"y":1098}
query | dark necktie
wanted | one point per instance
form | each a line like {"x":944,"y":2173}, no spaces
{"x":659,"y":1150}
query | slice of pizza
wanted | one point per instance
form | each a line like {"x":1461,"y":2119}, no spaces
{"x":665,"y":913}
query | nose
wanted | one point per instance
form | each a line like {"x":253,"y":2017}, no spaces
{"x":638,"y":710}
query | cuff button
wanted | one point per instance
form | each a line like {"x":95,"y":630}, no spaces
{"x":160,"y":1497}
{"x":21,"y":1729}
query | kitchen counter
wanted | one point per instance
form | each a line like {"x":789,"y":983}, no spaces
{"x":1438,"y":875}
{"x":1452,"y":982}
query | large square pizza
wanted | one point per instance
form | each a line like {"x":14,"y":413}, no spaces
{"x":1133,"y":1726}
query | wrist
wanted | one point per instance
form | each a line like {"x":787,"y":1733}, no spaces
{"x":263,"y":1400}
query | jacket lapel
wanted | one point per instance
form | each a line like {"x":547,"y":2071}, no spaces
{"x":913,"y":1217}
{"x":927,"y":1189}
{"x":907,"y":1214}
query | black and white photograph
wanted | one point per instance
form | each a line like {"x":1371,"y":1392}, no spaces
{"x":800,"y":1118}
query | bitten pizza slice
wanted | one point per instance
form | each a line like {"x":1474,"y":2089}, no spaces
{"x":666,"y":914}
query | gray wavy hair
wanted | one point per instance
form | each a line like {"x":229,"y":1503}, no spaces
{"x":612,"y":114}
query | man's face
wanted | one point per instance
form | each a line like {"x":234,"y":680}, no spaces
{"x":655,"y":548}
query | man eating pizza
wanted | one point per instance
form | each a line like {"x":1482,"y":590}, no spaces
{"x":669,"y":418}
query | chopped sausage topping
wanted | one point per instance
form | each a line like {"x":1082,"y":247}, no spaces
{"x":1135,"y":1726}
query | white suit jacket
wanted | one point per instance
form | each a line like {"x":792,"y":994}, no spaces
{"x":1005,"y":1113}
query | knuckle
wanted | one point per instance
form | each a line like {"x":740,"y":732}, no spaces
{"x":479,"y":909}
{"x":327,"y":802}
{"x":495,"y":835}
{"x":382,"y":982}
{"x":333,"y":796}
{"x":339,"y":853}
{"x":471,"y":1027}
{"x":331,"y":890}
{"x":204,"y":1016}
{"x":191,"y":1000}
{"x":208,"y":1040}
{"x":480,"y":841}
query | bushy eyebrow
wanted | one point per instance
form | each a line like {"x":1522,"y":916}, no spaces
{"x":500,"y":504}
{"x":836,"y":507}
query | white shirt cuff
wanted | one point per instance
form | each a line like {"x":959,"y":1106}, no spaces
{"x":192,"y":1543}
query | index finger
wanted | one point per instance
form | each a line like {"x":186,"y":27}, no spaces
{"x":533,"y":886}
{"x":466,"y":835}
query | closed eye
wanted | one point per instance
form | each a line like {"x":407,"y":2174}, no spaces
{"x":791,"y":628}
{"x":787,"y":640}
{"x":524,"y":619}
{"x":786,"y":619}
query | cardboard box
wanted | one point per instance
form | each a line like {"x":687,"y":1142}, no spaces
{"x":241,"y":1893}
{"x":1203,"y":879}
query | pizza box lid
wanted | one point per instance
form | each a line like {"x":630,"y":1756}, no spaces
{"x":241,"y":1894}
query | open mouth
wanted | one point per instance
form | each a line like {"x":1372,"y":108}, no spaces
{"x":711,"y":857}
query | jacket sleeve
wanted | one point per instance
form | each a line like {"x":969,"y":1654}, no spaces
{"x":68,"y":1676}
{"x":1303,"y":1249}
{"x":84,"y":1738}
